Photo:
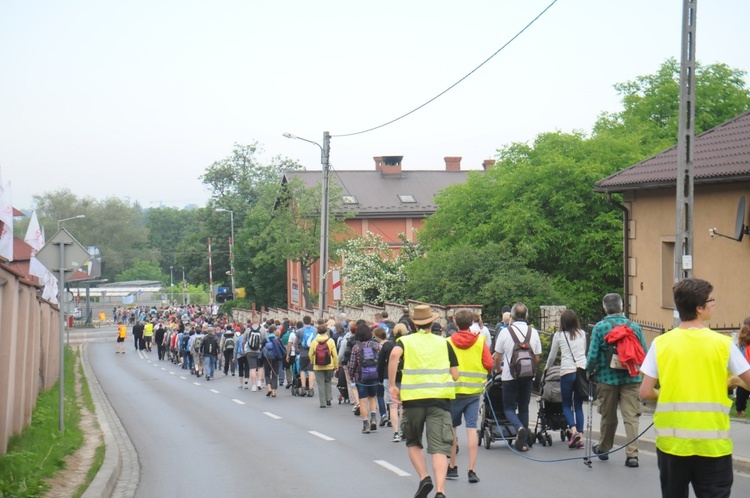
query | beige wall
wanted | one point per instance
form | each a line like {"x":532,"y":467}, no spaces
{"x":29,"y":358}
{"x":723,"y":262}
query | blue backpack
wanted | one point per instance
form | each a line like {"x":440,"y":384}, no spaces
{"x":273,"y":350}
{"x":308,"y":334}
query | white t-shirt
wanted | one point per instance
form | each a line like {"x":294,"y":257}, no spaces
{"x":578,"y":347}
{"x":737,"y":363}
{"x":505,"y":344}
{"x":293,"y":342}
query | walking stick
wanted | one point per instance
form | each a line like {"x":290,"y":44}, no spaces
{"x":589,"y":446}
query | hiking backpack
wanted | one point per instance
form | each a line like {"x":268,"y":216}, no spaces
{"x":523,"y":360}
{"x":368,"y":361}
{"x":185,"y":340}
{"x":198,"y":344}
{"x":322,"y":354}
{"x":273,"y":349}
{"x":308,"y":334}
{"x":210,"y":344}
{"x":253,"y":340}
{"x":228,"y":343}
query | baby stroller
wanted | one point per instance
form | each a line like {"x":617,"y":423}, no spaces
{"x":492,"y":422}
{"x":550,"y":415}
{"x":296,"y":380}
{"x":341,"y":385}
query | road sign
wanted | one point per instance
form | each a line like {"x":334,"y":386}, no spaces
{"x":75,"y":254}
{"x":336,"y":285}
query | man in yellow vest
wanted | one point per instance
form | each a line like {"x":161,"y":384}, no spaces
{"x":475,"y":361}
{"x":691,"y":363}
{"x":430,"y":367}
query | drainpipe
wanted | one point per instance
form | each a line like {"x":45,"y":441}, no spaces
{"x":625,"y":251}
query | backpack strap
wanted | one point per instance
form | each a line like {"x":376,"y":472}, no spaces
{"x":526,"y":339}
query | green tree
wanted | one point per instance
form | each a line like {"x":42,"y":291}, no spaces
{"x":141,"y":270}
{"x":651,"y":104}
{"x":293,"y":230}
{"x":115,"y":226}
{"x":537,"y":203}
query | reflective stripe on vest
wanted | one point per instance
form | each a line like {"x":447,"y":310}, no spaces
{"x":692,"y":413}
{"x":471,"y":372}
{"x":419,"y":378}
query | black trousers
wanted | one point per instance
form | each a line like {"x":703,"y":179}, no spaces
{"x":711,"y":477}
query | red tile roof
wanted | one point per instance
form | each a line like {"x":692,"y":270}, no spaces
{"x":722,"y":154}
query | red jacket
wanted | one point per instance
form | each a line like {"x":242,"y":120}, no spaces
{"x":629,"y":348}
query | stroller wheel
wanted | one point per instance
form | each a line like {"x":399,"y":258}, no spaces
{"x":542,"y":440}
{"x":564,"y":435}
{"x":487,"y":438}
{"x":549,"y":440}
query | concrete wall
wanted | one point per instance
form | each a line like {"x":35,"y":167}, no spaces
{"x":29,"y":356}
{"x":723,"y":262}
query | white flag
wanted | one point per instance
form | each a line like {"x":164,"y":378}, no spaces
{"x":50,"y":288}
{"x":34,"y":236}
{"x":6,"y":217}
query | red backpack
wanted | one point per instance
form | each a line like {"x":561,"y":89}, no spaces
{"x":322,"y":354}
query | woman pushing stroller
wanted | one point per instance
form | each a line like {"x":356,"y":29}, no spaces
{"x":571,"y":341}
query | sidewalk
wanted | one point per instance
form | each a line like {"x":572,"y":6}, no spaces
{"x":740,"y":430}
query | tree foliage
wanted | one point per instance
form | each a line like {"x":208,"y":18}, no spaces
{"x":141,"y":270}
{"x":372,"y":272}
{"x":537,"y":209}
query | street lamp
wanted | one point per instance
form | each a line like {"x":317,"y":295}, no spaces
{"x":68,"y":219}
{"x":171,"y":285}
{"x":325,"y":153}
{"x":231,"y":245}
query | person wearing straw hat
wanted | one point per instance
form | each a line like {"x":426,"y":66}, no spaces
{"x":430,"y":368}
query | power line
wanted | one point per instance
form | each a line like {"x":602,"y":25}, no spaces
{"x":454,"y":84}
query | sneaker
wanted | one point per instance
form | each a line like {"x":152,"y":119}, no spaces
{"x":310,"y":393}
{"x":328,"y":403}
{"x":384,"y":421}
{"x":365,"y":427}
{"x":396,"y":438}
{"x":373,"y":422}
{"x":597,"y":452}
{"x":631,"y":462}
{"x":439,"y":495}
{"x":473,"y":477}
{"x":253,"y":389}
{"x":425,"y":486}
{"x":452,"y":472}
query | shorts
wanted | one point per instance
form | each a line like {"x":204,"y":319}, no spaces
{"x":468,"y":406}
{"x":259,"y":362}
{"x":367,"y":390}
{"x":147,"y":339}
{"x":438,"y":424}
{"x":120,"y":339}
{"x":304,"y":363}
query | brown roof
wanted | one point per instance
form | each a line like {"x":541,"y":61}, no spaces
{"x":722,"y":154}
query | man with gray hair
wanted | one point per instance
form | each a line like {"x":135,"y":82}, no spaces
{"x":616,"y":385}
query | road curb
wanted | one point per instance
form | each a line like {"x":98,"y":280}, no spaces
{"x":119,"y":473}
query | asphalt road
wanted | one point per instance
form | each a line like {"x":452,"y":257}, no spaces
{"x":198,"y":438}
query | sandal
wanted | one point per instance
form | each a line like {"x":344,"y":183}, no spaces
{"x":575,"y":441}
{"x":522,"y":439}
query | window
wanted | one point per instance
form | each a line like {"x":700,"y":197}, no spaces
{"x":349,"y":199}
{"x":407,"y":198}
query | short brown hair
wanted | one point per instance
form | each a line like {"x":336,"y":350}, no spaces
{"x":464,"y":319}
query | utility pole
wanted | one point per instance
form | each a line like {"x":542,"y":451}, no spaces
{"x":683,"y":244}
{"x":325,"y":162}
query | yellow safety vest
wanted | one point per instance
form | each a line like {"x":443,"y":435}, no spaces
{"x":471,"y":371}
{"x":692,"y":414}
{"x":426,"y":373}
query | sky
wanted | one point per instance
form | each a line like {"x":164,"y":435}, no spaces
{"x":136,"y":99}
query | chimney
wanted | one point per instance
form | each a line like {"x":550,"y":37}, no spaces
{"x":378,"y":163}
{"x":453,"y":163}
{"x":391,"y":165}
{"x":487,"y":164}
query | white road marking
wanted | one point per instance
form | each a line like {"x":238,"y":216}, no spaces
{"x":172,"y":373}
{"x":392,"y":468}
{"x":273,"y":416}
{"x":197,"y":383}
{"x":238,"y":401}
{"x":164,"y":369}
{"x":321,"y":436}
{"x":214,"y":391}
{"x":183,"y":378}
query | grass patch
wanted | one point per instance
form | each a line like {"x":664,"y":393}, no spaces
{"x":88,"y":401}
{"x":37,"y":453}
{"x":97,"y":464}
